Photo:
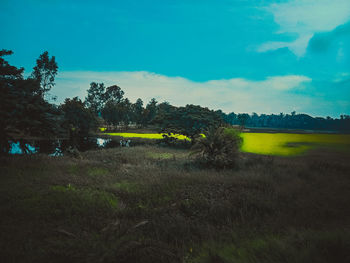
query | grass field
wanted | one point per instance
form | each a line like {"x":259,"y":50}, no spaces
{"x":146,"y":135}
{"x":154,"y":204}
{"x":284,"y":144}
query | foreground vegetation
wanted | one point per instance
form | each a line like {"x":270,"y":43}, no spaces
{"x":155,"y":204}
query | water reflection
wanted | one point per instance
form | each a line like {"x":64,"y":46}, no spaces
{"x":58,"y":147}
{"x":17,"y":149}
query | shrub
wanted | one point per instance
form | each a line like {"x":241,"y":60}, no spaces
{"x":218,"y":148}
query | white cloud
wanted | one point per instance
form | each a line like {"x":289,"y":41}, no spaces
{"x":286,"y":82}
{"x":342,"y":76}
{"x":305,"y":18}
{"x":271,"y":95}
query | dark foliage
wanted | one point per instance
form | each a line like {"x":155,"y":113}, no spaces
{"x":190,"y":121}
{"x":45,"y":71}
{"x":23,"y":110}
{"x":288,"y":121}
{"x":79,"y":121}
{"x":95,"y":98}
{"x":150,"y":111}
{"x":114,"y":93}
{"x":137,"y":111}
{"x":115,"y":112}
{"x":219,"y":148}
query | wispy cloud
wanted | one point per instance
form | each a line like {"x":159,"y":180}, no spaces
{"x":342,"y":76}
{"x":305,"y":18}
{"x":271,"y":95}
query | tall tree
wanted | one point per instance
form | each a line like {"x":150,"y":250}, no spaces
{"x":96,"y":97}
{"x":137,"y":109}
{"x":78,"y":120}
{"x":9,"y":76}
{"x":243,"y":118}
{"x":126,"y":111}
{"x":113,"y":113}
{"x":23,"y":110}
{"x":151,"y":110}
{"x":114,"y":93}
{"x":114,"y":109}
{"x":45,"y":71}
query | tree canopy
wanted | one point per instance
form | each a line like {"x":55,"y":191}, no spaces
{"x":45,"y":71}
{"x":95,"y":99}
{"x":23,"y":110}
{"x":190,"y":120}
{"x":78,"y":120}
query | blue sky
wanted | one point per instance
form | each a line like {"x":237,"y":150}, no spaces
{"x":235,"y":55}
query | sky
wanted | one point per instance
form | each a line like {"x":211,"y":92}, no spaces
{"x":260,"y":56}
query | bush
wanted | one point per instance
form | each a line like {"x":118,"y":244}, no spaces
{"x":218,"y":148}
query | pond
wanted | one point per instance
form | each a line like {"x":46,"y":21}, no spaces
{"x":58,"y":147}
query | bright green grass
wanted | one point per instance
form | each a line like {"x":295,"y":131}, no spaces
{"x":146,"y":135}
{"x":289,"y":143}
{"x":285,"y":144}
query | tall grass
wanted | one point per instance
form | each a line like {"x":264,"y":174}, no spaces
{"x":154,"y":204}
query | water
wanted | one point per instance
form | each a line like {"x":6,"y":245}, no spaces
{"x":16,"y":149}
{"x":58,"y":147}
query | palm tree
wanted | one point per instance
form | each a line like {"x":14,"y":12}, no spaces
{"x":218,"y":148}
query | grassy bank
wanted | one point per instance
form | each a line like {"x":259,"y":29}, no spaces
{"x":153,"y":204}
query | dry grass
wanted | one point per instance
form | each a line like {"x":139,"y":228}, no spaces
{"x":154,"y":204}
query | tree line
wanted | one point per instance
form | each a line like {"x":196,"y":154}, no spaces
{"x":26,"y":110}
{"x":289,"y":121}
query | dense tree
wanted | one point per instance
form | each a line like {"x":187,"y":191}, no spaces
{"x":9,"y":77}
{"x":164,"y":107}
{"x":96,"y":97}
{"x":114,"y":93}
{"x":230,"y":118}
{"x":190,"y":121}
{"x":150,"y":111}
{"x":23,"y":110}
{"x":126,"y":111}
{"x":116,"y":109}
{"x":116,"y":113}
{"x":137,"y":111}
{"x":242,"y":118}
{"x":290,"y":121}
{"x":45,"y":71}
{"x":110,"y":113}
{"x":79,"y":121}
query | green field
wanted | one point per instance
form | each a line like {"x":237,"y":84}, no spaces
{"x":145,"y":135}
{"x":284,"y":144}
